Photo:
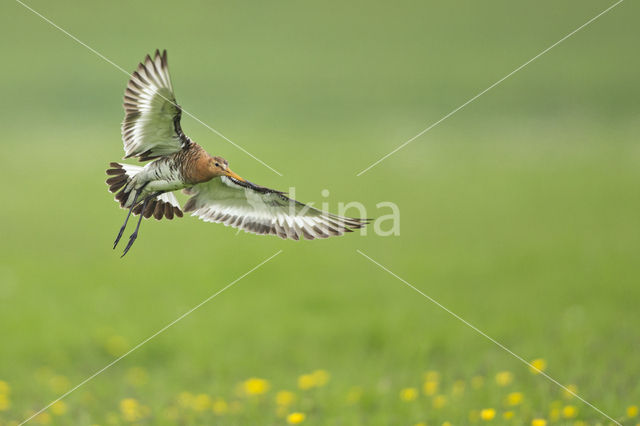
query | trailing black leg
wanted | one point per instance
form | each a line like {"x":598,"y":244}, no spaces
{"x":133,"y":236}
{"x":124,"y":225}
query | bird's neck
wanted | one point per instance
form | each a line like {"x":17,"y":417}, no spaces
{"x":196,"y":166}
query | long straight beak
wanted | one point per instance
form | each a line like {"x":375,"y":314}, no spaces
{"x":231,"y":174}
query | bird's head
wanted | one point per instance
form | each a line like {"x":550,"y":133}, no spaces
{"x":218,"y":166}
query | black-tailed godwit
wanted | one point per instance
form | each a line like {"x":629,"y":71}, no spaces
{"x":151,"y":132}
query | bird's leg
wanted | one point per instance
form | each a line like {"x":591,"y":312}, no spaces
{"x":133,"y":236}
{"x":124,"y":225}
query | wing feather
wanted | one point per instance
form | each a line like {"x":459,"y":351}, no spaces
{"x":263,"y":211}
{"x":151,"y":126}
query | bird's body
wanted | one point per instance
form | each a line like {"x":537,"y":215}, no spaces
{"x":151,"y":132}
{"x":175,"y":171}
{"x":164,"y":175}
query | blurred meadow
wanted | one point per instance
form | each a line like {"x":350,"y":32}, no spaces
{"x":519,"y":213}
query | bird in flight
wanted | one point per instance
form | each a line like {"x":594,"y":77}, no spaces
{"x":151,"y":132}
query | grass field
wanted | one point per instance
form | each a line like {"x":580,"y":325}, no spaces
{"x":519,"y":213}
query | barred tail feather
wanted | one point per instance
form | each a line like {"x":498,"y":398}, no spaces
{"x":121,"y":176}
{"x":164,"y":205}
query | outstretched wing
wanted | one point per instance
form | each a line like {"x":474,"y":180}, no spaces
{"x":151,"y":126}
{"x":261,"y":210}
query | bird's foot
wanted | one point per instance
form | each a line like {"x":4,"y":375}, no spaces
{"x":132,"y":238}
{"x":115,"y":243}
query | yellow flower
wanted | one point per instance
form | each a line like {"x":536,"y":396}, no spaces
{"x":458,"y":387}
{"x":316,"y":379}
{"x":538,"y":422}
{"x":43,"y":418}
{"x":514,"y":398}
{"x":568,"y":392}
{"x":430,"y":387}
{"x":432,"y":376}
{"x":477,"y":382}
{"x":569,"y":412}
{"x":137,"y":376}
{"x":5,"y":403}
{"x":556,"y":404}
{"x":255,"y":386}
{"x":507,"y":415}
{"x":504,"y":378}
{"x":295,"y":418}
{"x":131,"y":410}
{"x":4,"y":388}
{"x":59,"y":384}
{"x":320,"y":377}
{"x":447,"y":424}
{"x":306,"y":381}
{"x":408,"y":394}
{"x":219,"y":406}
{"x":285,"y":398}
{"x":439,"y":401}
{"x":354,"y":394}
{"x":487,"y":414}
{"x":537,"y":365}
{"x":201,"y":402}
{"x":420,"y":424}
{"x":59,"y":408}
{"x":554,"y":414}
{"x":185,"y":399}
{"x":579,"y":423}
{"x":632,"y":411}
{"x":116,"y":345}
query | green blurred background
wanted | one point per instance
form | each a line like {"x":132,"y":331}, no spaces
{"x":519,"y":213}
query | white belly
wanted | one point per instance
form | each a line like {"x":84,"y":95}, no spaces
{"x":164,"y":185}
{"x":160,"y":176}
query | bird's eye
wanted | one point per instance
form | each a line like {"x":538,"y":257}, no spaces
{"x":217,"y":165}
